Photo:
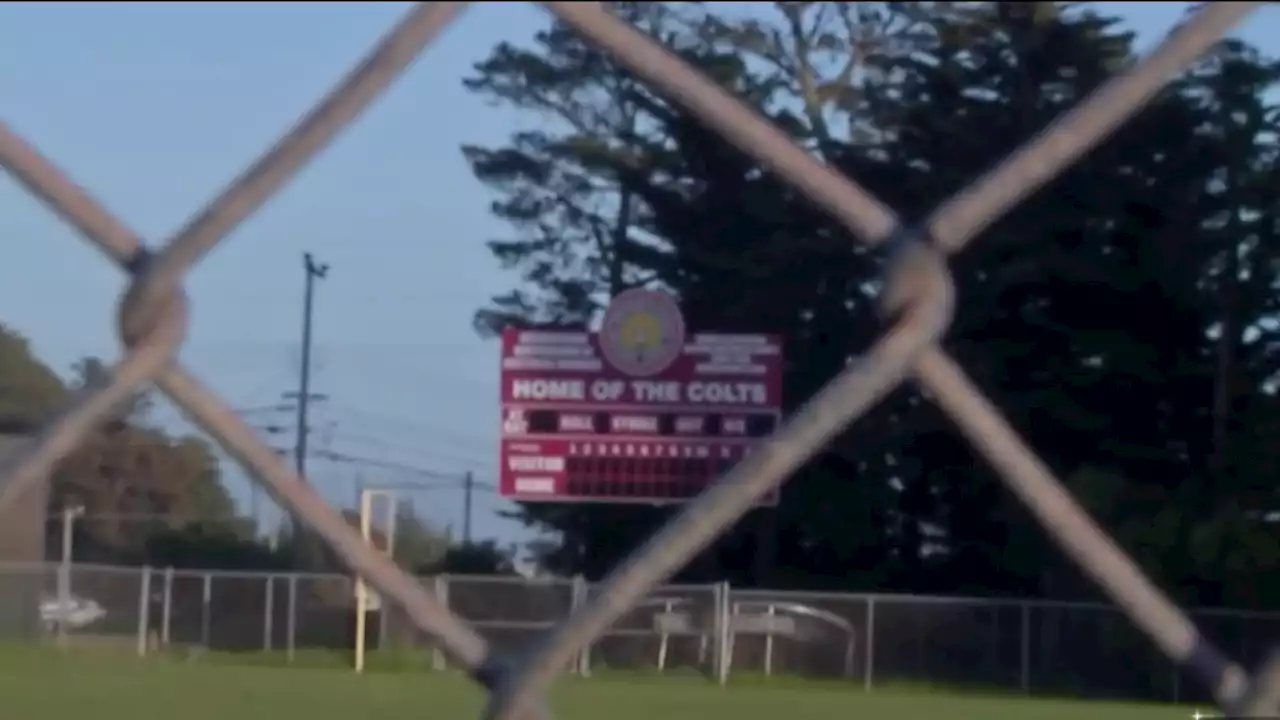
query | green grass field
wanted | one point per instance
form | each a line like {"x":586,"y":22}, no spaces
{"x":39,"y":685}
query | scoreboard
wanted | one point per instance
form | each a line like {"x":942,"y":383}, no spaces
{"x":584,"y":422}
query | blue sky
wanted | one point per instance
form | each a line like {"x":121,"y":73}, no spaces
{"x":154,"y":106}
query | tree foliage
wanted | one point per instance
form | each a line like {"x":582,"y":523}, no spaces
{"x":137,"y":487}
{"x":476,"y":558}
{"x":1122,"y":317}
{"x":29,"y":390}
{"x":212,"y":546}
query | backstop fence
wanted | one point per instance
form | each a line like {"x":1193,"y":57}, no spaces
{"x":154,"y":313}
{"x":865,"y":640}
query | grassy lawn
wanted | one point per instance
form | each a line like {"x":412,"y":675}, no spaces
{"x":47,"y":686}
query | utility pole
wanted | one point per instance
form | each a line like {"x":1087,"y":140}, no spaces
{"x":313,"y":271}
{"x":468,"y":486}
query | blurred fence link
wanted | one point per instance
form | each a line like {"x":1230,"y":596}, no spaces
{"x":153,"y":323}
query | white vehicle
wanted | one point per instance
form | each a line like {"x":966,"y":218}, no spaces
{"x":75,"y":612}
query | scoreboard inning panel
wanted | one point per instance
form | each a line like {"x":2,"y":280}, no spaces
{"x":620,"y":457}
{"x":653,"y":425}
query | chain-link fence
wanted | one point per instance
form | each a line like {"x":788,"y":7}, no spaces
{"x":919,"y":294}
{"x":1043,"y":647}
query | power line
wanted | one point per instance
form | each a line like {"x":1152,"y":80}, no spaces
{"x":376,"y":442}
{"x":263,"y":409}
{"x":381,"y":426}
{"x":447,"y":479}
{"x":436,"y":479}
{"x":466,"y":481}
{"x":383,"y":432}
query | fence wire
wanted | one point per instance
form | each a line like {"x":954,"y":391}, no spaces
{"x":919,"y":298}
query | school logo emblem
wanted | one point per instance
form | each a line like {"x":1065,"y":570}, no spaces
{"x":642,"y":333}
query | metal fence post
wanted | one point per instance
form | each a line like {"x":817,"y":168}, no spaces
{"x":721,"y":623}
{"x":64,"y":599}
{"x":268,"y":613}
{"x":64,"y":602}
{"x":206,"y":602}
{"x":770,"y":611}
{"x":144,"y":609}
{"x":291,"y":619}
{"x":379,"y":642}
{"x":1024,"y":649}
{"x":869,"y":646}
{"x":166,"y":608}
{"x":442,"y":597}
{"x":578,"y":597}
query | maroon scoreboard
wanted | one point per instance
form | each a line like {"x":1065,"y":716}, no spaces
{"x":639,"y":412}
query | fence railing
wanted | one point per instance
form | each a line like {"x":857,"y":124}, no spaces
{"x":867,"y":640}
